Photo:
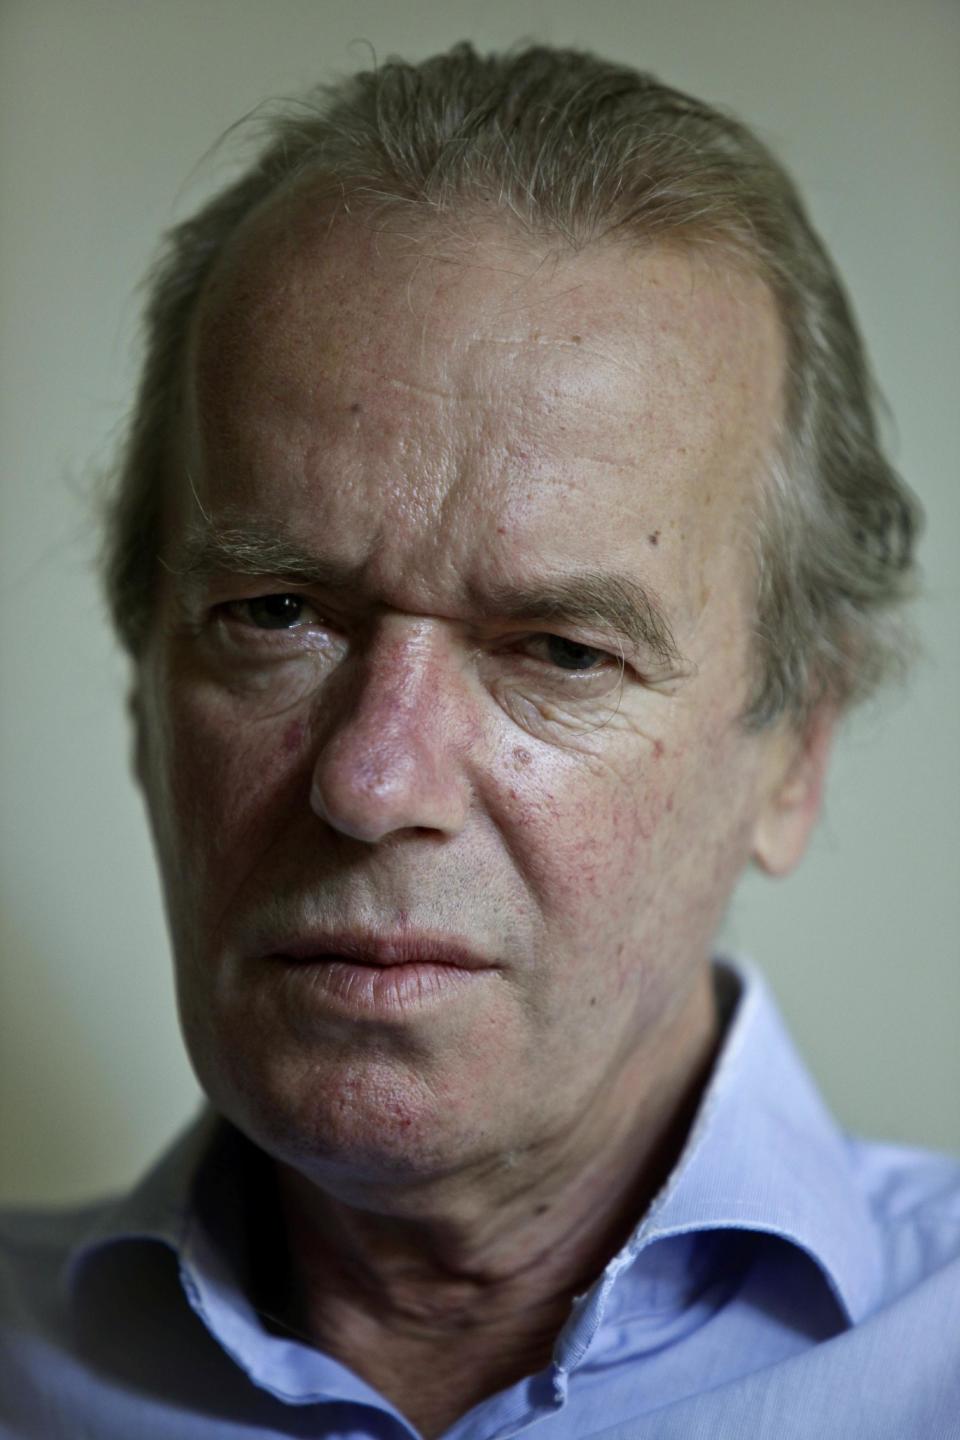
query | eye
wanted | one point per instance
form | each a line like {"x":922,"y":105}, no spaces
{"x":273,"y":612}
{"x":567,"y":654}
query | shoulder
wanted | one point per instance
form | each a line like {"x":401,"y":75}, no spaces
{"x":914,"y":1196}
{"x":42,"y":1231}
{"x":35,"y":1245}
{"x":907,"y":1186}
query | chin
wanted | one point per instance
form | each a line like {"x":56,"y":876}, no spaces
{"x":358,"y":1123}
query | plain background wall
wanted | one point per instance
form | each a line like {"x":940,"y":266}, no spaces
{"x":106,"y":108}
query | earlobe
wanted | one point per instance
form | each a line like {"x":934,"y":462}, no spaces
{"x":793,"y":800}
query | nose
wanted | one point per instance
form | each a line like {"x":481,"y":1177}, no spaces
{"x":393,"y":758}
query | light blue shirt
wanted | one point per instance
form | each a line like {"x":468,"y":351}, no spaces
{"x":788,"y":1281}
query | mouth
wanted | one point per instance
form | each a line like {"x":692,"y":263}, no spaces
{"x":384,"y":951}
{"x":381,"y":977}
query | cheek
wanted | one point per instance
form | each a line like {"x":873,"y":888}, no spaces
{"x":598,"y":846}
{"x":639,"y":857}
{"x":223,"y":785}
{"x":584,"y":831}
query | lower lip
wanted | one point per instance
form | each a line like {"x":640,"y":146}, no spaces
{"x":380,"y":991}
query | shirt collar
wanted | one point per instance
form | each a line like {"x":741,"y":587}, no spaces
{"x":763,"y":1155}
{"x":766,"y":1155}
{"x":159,"y":1206}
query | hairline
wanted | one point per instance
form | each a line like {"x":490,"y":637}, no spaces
{"x":831,"y":559}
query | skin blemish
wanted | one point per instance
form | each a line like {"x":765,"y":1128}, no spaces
{"x":293,"y":737}
{"x":654,"y":537}
{"x":522,"y":757}
{"x":355,"y":408}
{"x":576,"y":339}
{"x":658,"y":749}
{"x":501,"y":529}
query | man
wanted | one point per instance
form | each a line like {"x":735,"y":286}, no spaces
{"x":501,"y":534}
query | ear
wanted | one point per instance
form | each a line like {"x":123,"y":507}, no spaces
{"x":792,"y":794}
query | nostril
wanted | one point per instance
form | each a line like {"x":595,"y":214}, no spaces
{"x":372,"y":795}
{"x":393,"y":758}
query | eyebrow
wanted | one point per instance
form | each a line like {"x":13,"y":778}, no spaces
{"x":207,"y":551}
{"x":612,"y":600}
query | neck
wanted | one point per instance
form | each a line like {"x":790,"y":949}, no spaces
{"x":481,"y":1268}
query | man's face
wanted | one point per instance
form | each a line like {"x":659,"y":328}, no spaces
{"x":491,"y":484}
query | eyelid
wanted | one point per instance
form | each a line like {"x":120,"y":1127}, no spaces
{"x":232,"y":608}
{"x":310,"y":627}
{"x":607,"y":663}
{"x":237,"y":602}
{"x":576,"y":640}
{"x":303,"y":600}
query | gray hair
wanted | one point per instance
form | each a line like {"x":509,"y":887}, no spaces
{"x":576,"y":149}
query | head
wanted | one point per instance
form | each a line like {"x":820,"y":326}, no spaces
{"x":528,"y":384}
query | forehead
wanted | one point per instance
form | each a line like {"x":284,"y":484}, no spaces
{"x":362,"y":368}
{"x":349,"y":286}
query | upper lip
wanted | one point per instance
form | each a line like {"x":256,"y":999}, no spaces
{"x":367,"y":948}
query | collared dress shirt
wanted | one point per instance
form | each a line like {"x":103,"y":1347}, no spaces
{"x":788,"y":1281}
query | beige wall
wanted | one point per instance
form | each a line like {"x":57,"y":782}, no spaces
{"x":105,"y":110}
